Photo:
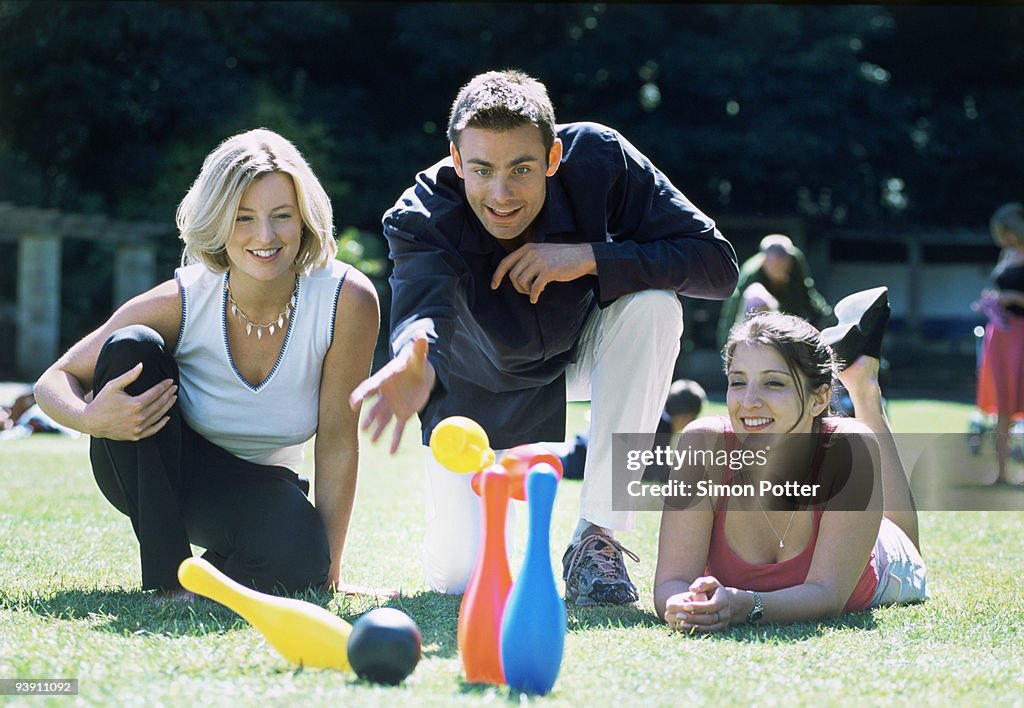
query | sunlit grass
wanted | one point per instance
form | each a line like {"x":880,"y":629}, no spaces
{"x":70,"y":606}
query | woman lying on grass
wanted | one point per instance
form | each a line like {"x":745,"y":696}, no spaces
{"x":727,"y":560}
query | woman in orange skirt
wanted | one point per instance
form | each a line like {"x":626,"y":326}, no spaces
{"x":1001,"y":376}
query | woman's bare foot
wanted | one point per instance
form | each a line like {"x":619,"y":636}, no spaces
{"x":861,"y":376}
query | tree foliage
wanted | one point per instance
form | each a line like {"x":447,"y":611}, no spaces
{"x":852,"y":113}
{"x":871,"y":116}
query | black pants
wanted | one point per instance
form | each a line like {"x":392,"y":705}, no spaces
{"x":177,"y":487}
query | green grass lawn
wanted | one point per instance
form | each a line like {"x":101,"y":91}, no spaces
{"x":70,"y":607}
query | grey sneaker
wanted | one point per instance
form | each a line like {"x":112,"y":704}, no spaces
{"x":594,"y":571}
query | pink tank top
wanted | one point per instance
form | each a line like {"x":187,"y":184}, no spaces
{"x":733,"y":571}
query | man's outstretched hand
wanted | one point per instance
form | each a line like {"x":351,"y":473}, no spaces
{"x":402,"y":388}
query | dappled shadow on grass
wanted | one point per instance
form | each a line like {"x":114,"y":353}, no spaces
{"x":437,"y":616}
{"x":482,"y":690}
{"x":609,"y":617}
{"x":579,"y":620}
{"x":129,"y":612}
{"x":790,"y":633}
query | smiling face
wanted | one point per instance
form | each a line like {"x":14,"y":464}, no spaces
{"x":505,"y":174}
{"x":268,"y":229}
{"x":763,"y":395}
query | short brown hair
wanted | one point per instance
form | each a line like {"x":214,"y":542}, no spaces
{"x":503,"y":100}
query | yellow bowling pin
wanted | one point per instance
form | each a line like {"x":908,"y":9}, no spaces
{"x":461,"y":445}
{"x":304,"y":633}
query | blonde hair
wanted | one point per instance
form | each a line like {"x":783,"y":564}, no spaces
{"x":1007,"y":225}
{"x":206,"y":216}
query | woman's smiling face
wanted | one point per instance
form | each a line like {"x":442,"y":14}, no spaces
{"x":268,"y":228}
{"x":763,"y":395}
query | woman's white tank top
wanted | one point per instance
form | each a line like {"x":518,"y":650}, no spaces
{"x":268,"y":422}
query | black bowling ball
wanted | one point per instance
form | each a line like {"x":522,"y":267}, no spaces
{"x":384,"y":646}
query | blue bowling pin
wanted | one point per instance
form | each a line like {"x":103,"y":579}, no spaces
{"x":533,"y":627}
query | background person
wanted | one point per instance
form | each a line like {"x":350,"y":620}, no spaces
{"x":735,"y":559}
{"x":778,"y":279}
{"x":685,"y":400}
{"x":1001,"y":375}
{"x":24,"y":417}
{"x":538,"y":263}
{"x":205,"y":389}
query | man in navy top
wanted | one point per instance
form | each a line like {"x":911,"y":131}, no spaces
{"x":537,"y":264}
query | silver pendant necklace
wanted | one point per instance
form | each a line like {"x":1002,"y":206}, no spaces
{"x":784,"y":533}
{"x":275,"y":324}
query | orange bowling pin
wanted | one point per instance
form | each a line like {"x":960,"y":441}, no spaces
{"x":304,"y":633}
{"x":483,"y":604}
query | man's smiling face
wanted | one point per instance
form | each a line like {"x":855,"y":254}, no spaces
{"x":505,"y":174}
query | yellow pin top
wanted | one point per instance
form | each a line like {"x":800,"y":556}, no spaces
{"x":461,"y":445}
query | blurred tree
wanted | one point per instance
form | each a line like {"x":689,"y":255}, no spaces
{"x":839,"y":112}
{"x":855,"y":114}
{"x":961,"y":71}
{"x":93,"y":93}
